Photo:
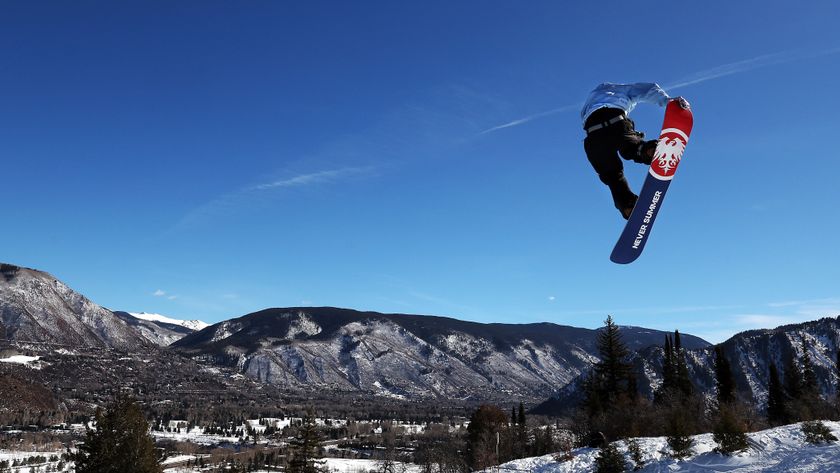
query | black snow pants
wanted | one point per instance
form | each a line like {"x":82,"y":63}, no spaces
{"x":603,"y":147}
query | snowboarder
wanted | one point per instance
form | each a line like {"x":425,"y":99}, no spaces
{"x":609,"y":131}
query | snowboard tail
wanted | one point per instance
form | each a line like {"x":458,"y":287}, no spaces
{"x":669,"y":150}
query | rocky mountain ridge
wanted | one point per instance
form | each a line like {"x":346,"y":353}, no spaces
{"x":401,"y":355}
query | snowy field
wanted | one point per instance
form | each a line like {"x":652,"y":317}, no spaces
{"x":779,"y":450}
{"x":20,"y":457}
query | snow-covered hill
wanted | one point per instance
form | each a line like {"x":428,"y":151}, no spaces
{"x":778,"y":450}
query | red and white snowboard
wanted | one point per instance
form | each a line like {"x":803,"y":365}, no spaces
{"x":669,"y":151}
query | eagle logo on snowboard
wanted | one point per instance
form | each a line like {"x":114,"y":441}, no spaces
{"x":668,"y":152}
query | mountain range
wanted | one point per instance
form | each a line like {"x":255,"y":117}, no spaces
{"x":403,"y":355}
{"x":386,"y":356}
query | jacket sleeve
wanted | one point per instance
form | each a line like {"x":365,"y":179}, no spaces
{"x":648,"y":92}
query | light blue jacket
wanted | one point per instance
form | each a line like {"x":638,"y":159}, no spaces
{"x":623,"y":96}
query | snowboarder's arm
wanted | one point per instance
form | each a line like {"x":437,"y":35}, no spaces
{"x":648,"y":92}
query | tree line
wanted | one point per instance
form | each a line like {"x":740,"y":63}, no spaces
{"x":613,"y":409}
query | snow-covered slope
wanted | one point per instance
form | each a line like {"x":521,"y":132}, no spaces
{"x":778,"y":450}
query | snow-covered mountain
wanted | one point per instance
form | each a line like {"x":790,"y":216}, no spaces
{"x":36,"y":307}
{"x":193,"y":325}
{"x":749,"y":353}
{"x":779,"y":450}
{"x":159,"y":329}
{"x":409,"y":356}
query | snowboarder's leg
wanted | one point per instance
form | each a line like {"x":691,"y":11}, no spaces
{"x":604,"y":159}
{"x":633,"y":146}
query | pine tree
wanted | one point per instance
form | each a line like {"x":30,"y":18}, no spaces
{"x":837,"y":388}
{"x":729,"y":428}
{"x":610,"y":460}
{"x":119,"y":443}
{"x":678,"y":436}
{"x":521,"y":433}
{"x":817,"y":433}
{"x":724,"y":379}
{"x":665,"y":391}
{"x":776,"y":402}
{"x":610,"y":391}
{"x":810,"y":387}
{"x":793,"y":379}
{"x":613,"y":368}
{"x":684,"y":383}
{"x":484,"y":433}
{"x":635,"y":451}
{"x":304,"y":449}
{"x":669,"y":372}
{"x":729,"y":431}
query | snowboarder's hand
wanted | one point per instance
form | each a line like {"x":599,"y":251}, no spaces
{"x":683,"y":103}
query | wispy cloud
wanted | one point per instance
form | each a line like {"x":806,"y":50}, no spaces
{"x":766,"y":316}
{"x":716,"y":72}
{"x":533,"y":117}
{"x":162,"y":293}
{"x":234,"y":202}
{"x":321,"y":177}
{"x":747,"y":65}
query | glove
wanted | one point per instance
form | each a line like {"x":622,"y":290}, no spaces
{"x":683,"y":103}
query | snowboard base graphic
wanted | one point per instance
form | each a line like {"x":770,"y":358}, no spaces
{"x":669,"y":150}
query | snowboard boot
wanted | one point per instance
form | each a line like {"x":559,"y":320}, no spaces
{"x":623,"y":198}
{"x":646,"y":151}
{"x":627,"y":210}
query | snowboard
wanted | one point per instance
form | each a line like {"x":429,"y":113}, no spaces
{"x":669,"y":150}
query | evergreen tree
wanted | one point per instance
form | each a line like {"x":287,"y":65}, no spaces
{"x":635,"y":451}
{"x":613,"y":369}
{"x":119,"y":443}
{"x":776,"y":402}
{"x":684,"y":383}
{"x":724,"y":379}
{"x":610,"y":460}
{"x":610,"y":390}
{"x":680,"y":443}
{"x":669,"y":372}
{"x":817,"y":433}
{"x":729,"y":431}
{"x":304,"y":449}
{"x":810,"y":387}
{"x":793,"y":379}
{"x":484,"y":435}
{"x":521,"y":449}
{"x":520,"y":419}
{"x":665,"y":390}
{"x":837,"y":388}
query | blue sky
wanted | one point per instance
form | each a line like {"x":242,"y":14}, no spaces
{"x":208,"y":159}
